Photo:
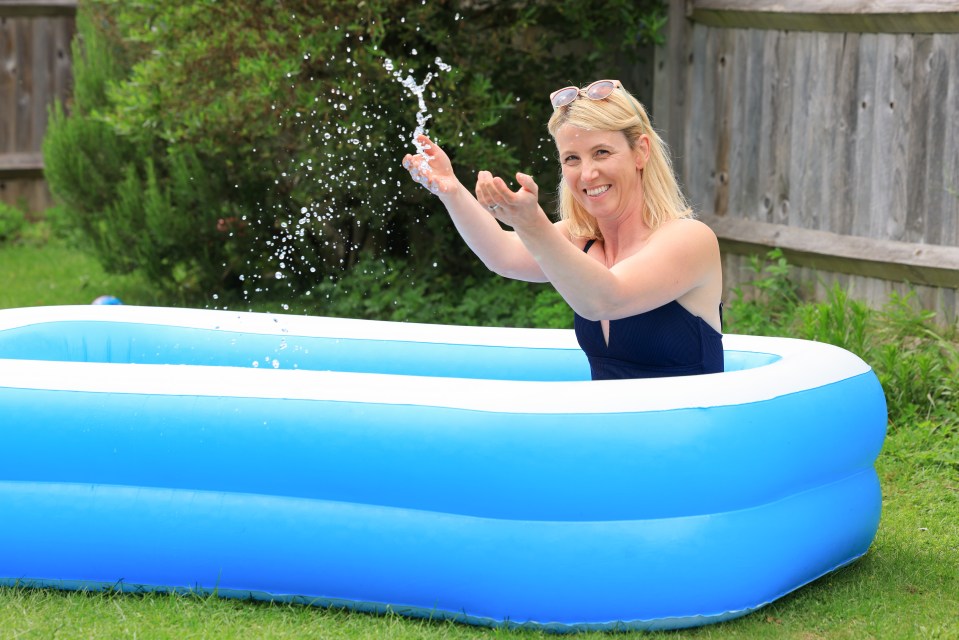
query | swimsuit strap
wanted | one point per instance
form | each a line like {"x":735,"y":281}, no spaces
{"x":589,"y":243}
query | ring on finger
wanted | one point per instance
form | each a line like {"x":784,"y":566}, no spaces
{"x":493,"y":207}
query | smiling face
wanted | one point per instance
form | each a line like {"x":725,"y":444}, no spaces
{"x":601,"y":170}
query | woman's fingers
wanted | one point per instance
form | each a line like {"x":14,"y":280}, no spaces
{"x":483,"y":195}
{"x":527,"y":182}
{"x":419,"y":170}
{"x":492,"y":190}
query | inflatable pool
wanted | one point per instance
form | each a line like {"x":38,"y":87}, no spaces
{"x":473,"y":474}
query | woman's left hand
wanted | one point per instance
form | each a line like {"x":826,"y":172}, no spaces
{"x":518,"y":208}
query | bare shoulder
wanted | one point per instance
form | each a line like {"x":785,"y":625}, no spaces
{"x":688,"y":226}
{"x":687,"y":231}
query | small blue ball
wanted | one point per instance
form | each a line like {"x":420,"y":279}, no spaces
{"x":108,"y":300}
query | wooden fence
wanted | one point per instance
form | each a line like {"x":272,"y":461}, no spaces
{"x":35,"y":69}
{"x":829,"y":129}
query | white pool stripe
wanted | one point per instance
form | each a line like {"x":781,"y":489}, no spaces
{"x":803,"y":365}
{"x":292,"y":325}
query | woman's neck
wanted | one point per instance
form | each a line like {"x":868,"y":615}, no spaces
{"x":623,"y":237}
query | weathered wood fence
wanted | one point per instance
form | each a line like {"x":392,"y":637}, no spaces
{"x":35,"y":69}
{"x":829,"y":129}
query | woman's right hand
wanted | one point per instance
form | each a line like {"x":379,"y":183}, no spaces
{"x":431,"y":168}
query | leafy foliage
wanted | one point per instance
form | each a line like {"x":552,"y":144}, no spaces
{"x":768,"y":301}
{"x":12,"y":222}
{"x":916,"y":360}
{"x":252,"y":146}
{"x":387,"y":290}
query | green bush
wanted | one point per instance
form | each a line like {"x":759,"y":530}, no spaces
{"x":209,"y":141}
{"x":12,"y":222}
{"x":141,"y":205}
{"x":916,"y":361}
{"x":767,"y":303}
{"x":389,"y":289}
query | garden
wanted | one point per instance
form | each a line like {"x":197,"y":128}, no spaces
{"x":223,"y":156}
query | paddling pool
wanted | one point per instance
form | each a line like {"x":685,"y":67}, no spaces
{"x":464,"y":473}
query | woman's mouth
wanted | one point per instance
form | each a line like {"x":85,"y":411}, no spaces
{"x":597,"y":191}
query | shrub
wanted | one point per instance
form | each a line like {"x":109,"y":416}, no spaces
{"x":12,"y":222}
{"x":389,"y":290}
{"x":916,"y":361}
{"x":210,"y":140}
{"x":140,"y":204}
{"x":768,"y":302}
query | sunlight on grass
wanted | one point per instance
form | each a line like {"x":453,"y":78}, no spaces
{"x":58,"y":274}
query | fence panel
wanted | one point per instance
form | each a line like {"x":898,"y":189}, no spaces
{"x":834,"y":118}
{"x":35,"y":70}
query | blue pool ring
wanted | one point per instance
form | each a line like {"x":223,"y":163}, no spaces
{"x":472,"y":474}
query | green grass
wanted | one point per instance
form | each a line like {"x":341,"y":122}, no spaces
{"x":907,"y":586}
{"x":55,"y":273}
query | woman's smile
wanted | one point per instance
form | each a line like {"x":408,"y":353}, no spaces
{"x":601,"y":168}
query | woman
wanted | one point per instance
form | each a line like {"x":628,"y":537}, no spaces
{"x":643,"y":277}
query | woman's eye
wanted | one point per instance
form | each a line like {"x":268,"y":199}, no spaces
{"x":570,"y":159}
{"x":602,"y":152}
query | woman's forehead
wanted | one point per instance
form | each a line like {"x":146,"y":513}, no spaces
{"x":570,"y":136}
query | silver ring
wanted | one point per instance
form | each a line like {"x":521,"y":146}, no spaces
{"x":493,"y":207}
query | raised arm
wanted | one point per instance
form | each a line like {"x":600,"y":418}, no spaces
{"x":680,"y":261}
{"x":500,"y":250}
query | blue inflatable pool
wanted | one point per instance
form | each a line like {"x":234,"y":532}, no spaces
{"x":449,"y":472}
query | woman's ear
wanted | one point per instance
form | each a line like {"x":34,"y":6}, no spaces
{"x":641,"y":151}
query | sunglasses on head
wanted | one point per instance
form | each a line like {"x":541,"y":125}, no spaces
{"x":599,"y":90}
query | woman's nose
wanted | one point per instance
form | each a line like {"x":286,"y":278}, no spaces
{"x":588,"y":170}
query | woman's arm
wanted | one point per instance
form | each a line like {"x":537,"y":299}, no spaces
{"x":679,"y":259}
{"x":500,"y":250}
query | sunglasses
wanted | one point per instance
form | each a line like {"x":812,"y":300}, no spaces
{"x":599,"y":90}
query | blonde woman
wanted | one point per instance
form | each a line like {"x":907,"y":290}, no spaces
{"x":642,"y":276}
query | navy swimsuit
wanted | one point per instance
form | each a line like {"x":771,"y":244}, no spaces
{"x":668,"y":341}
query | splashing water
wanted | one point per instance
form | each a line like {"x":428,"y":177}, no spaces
{"x":310,"y":242}
{"x":418,"y":91}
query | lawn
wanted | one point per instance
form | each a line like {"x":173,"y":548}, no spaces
{"x":907,"y":586}
{"x":55,"y":273}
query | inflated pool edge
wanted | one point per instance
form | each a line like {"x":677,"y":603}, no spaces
{"x":143,"y":450}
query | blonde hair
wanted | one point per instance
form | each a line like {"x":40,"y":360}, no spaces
{"x":621,"y":112}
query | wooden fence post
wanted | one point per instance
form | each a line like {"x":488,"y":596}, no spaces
{"x":35,"y":70}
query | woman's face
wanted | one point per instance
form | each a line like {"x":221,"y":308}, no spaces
{"x":602,"y":172}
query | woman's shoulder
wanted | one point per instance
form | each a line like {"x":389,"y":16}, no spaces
{"x":686,"y":230}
